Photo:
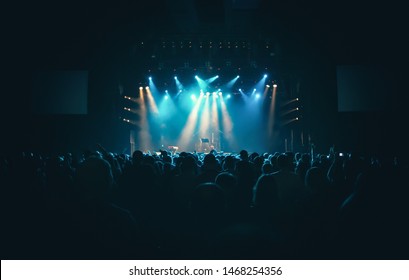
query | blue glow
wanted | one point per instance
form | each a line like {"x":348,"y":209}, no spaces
{"x":211,"y":80}
{"x":166,"y":97}
{"x":265,"y":75}
{"x":150,"y":78}
{"x":178,"y":84}
{"x":231,"y":83}
{"x":202,"y":84}
{"x":193,"y":97}
{"x":228,"y":96}
{"x":254,"y":90}
{"x":166,"y":91}
{"x":258,"y":95}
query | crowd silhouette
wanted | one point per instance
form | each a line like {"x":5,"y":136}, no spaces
{"x":166,"y":205}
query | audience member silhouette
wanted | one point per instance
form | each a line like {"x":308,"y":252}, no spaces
{"x":204,"y":206}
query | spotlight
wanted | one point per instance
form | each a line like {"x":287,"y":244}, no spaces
{"x":237,"y":77}
{"x":193,"y":97}
{"x":296,"y":119}
{"x":150,"y":78}
{"x":267,"y":86}
{"x":166,"y":97}
{"x":275,"y":85}
{"x":140,"y":87}
{"x":207,"y":93}
{"x":297,"y":109}
{"x":239,"y":89}
{"x":265,"y":75}
{"x":166,"y":91}
{"x":176,"y":77}
{"x":217,"y":76}
{"x":228,"y":96}
{"x":258,"y":95}
{"x":196,"y":77}
{"x":296,"y":99}
{"x":146,"y":87}
{"x":254,"y":90}
{"x":220,"y":93}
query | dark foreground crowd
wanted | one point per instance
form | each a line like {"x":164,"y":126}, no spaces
{"x":204,"y":206}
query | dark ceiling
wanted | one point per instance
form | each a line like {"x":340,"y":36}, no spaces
{"x":71,"y":31}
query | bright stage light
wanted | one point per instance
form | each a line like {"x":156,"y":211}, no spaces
{"x":238,"y":76}
{"x":228,"y":96}
{"x":207,"y":93}
{"x":150,"y":78}
{"x":196,"y":77}
{"x":258,"y":95}
{"x":188,"y":129}
{"x":176,"y":77}
{"x":193,"y":97}
{"x":166,"y":91}
{"x":220,"y":93}
{"x":140,"y":87}
{"x":267,"y":86}
{"x":166,"y":97}
{"x":254,"y":90}
{"x":146,"y":87}
{"x":265,"y":75}
{"x":275,"y":85}
{"x":211,"y":80}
